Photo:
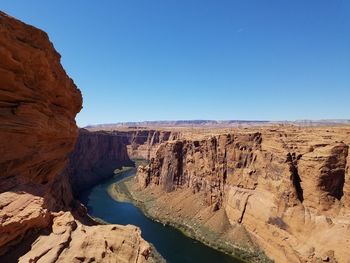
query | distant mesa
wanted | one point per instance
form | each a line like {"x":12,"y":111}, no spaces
{"x":218,"y":123}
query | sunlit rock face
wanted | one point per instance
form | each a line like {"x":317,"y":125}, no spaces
{"x":141,"y":142}
{"x":38,"y":105}
{"x":97,"y":154}
{"x":289,"y":187}
{"x":144,"y":143}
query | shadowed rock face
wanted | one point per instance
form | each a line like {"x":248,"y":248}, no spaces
{"x":38,"y":104}
{"x":288,"y":187}
{"x":95,"y":157}
{"x":144,"y":143}
{"x":332,"y":175}
{"x":98,"y":153}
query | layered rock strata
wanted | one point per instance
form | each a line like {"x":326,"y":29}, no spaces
{"x":38,"y":104}
{"x":287,"y":187}
{"x":97,"y":154}
{"x":95,"y":157}
{"x":71,"y":241}
{"x":143,"y":143}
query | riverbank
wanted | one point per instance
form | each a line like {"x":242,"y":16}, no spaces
{"x":171,"y":244}
{"x":212,"y":229}
{"x":153,"y":257}
{"x":137,"y":163}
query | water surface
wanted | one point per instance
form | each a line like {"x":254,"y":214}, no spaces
{"x":174,"y":246}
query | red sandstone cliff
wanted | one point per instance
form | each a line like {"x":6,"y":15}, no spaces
{"x":141,"y":143}
{"x":38,"y":104}
{"x":144,"y":143}
{"x":98,"y":153}
{"x":288,"y":188}
{"x":95,"y":157}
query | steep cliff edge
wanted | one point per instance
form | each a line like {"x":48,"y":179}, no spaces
{"x":98,"y":153}
{"x":287,"y":188}
{"x":95,"y":156}
{"x":38,"y":104}
{"x":144,"y":143}
{"x":141,"y":143}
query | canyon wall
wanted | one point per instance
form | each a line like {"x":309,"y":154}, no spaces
{"x":288,"y":188}
{"x":38,"y":104}
{"x":95,"y":157}
{"x":143,"y":144}
{"x":98,"y":153}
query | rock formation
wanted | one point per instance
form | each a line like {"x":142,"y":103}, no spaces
{"x":143,"y":144}
{"x":70,"y":241}
{"x":287,"y":187}
{"x":38,"y":104}
{"x":96,"y":155}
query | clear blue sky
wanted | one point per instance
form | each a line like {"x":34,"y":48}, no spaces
{"x":200,"y":59}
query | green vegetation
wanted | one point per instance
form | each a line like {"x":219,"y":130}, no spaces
{"x":120,"y":191}
{"x":122,"y":170}
{"x":137,"y":162}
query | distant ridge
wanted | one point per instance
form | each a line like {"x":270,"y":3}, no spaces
{"x":220,"y":123}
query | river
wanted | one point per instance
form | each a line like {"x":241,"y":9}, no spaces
{"x":173,"y":245}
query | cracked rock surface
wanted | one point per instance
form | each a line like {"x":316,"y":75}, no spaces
{"x":71,"y":241}
{"x":288,"y":187}
{"x":38,"y":105}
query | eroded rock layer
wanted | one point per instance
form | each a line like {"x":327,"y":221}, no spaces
{"x":143,"y":143}
{"x":98,"y":153}
{"x":38,"y":104}
{"x":95,"y":157}
{"x":71,"y":241}
{"x":287,"y":187}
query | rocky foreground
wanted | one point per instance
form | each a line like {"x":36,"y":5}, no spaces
{"x":39,"y":219}
{"x":283,"y":190}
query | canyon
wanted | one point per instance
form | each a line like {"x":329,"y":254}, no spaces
{"x":142,"y":143}
{"x":40,"y":221}
{"x":95,"y":157}
{"x":259,"y":190}
{"x":97,"y":154}
{"x":283,"y":190}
